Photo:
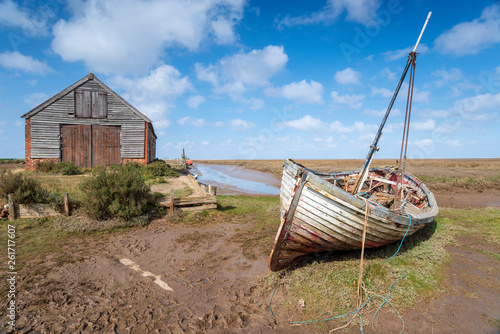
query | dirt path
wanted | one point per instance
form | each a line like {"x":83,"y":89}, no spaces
{"x":169,"y":278}
{"x":163,"y":278}
{"x":177,"y":183}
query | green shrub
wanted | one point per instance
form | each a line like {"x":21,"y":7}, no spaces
{"x":45,"y":166}
{"x":66,"y":168}
{"x":117,"y":192}
{"x":26,"y":189}
{"x":159,"y":168}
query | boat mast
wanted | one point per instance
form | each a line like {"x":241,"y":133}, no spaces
{"x":374,"y":148}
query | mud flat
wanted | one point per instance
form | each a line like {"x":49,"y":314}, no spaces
{"x":456,"y":183}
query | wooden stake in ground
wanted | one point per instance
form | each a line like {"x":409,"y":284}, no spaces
{"x":172,"y":201}
{"x":12,"y":208}
{"x":66,"y":204}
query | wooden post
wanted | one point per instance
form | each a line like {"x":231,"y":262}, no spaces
{"x":213,"y":191}
{"x":66,"y":204}
{"x":172,"y":201}
{"x":12,"y":208}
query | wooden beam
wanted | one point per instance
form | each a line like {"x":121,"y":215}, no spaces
{"x":185,"y":201}
{"x":199,"y":207}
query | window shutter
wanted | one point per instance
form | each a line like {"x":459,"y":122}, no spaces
{"x":82,"y":104}
{"x":99,"y":105}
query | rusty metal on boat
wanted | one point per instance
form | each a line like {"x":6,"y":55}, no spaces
{"x":319,"y":212}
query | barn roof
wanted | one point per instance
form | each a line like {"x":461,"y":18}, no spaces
{"x":77,"y":84}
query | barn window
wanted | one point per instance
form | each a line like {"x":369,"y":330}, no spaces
{"x":91,"y":104}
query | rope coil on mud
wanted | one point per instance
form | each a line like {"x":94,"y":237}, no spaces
{"x":360,"y":308}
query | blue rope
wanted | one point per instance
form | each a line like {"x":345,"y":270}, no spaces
{"x":386,"y":299}
{"x":270,"y":299}
{"x":404,"y":236}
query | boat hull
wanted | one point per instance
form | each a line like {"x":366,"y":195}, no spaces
{"x":318,"y":216}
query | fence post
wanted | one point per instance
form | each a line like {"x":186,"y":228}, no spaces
{"x":66,"y":204}
{"x":12,"y":208}
{"x":172,"y":201}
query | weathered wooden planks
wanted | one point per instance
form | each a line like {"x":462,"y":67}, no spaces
{"x":318,"y":216}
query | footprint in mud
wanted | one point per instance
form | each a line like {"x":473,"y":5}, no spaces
{"x":136,"y":247}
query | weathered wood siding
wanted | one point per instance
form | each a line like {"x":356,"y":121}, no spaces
{"x":76,"y":141}
{"x":46,"y":124}
{"x":105,"y":145}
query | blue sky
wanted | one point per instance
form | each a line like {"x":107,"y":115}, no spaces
{"x":235,"y":79}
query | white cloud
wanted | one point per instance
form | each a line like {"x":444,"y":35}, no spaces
{"x":348,"y":77}
{"x":224,"y":31}
{"x":478,"y":108}
{"x":157,"y":111}
{"x":254,"y":103}
{"x":306,"y":123}
{"x":165,"y":81}
{"x":154,"y":93}
{"x":469,"y":38}
{"x":16,"y":61}
{"x":421,"y":96}
{"x":32,"y":23}
{"x":426,"y":144}
{"x":300,"y":92}
{"x":359,"y":11}
{"x":199,"y":122}
{"x":403,"y":53}
{"x":194,"y":101}
{"x":129,"y":36}
{"x":427,"y":125}
{"x":328,"y":142}
{"x":391,"y":76}
{"x":445,"y":77}
{"x":240,"y":125}
{"x":358,"y":127}
{"x":237,"y":73}
{"x":353,"y":101}
{"x":384,"y":92}
{"x":35,"y":99}
{"x":338,"y":127}
{"x":372,"y":112}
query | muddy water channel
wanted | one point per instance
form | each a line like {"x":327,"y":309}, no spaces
{"x":234,"y":180}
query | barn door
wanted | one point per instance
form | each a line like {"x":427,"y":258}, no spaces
{"x":76,"y":144}
{"x":105,"y":145}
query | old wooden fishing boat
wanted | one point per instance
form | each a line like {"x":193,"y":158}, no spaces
{"x":319,"y":212}
{"x":368,"y":207}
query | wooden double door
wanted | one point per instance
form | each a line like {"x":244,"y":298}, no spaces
{"x":91,"y":145}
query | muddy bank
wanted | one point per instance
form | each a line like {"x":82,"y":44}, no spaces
{"x":236,"y":180}
{"x":164,"y":278}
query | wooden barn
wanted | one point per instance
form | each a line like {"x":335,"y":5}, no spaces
{"x":89,"y":124}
